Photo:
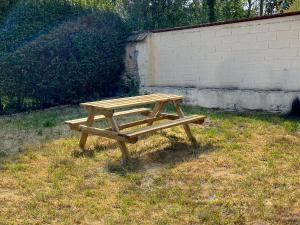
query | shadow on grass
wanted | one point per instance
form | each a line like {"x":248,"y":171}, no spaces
{"x":169,"y":156}
{"x":179,"y":152}
{"x":135,"y":164}
{"x":255,"y":115}
{"x":94,"y":148}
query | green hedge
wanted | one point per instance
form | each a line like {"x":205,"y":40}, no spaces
{"x":78,"y":60}
{"x":5,"y":6}
{"x":30,"y":18}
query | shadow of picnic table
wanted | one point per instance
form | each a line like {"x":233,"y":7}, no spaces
{"x":169,"y":156}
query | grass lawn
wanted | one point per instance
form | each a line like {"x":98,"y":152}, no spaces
{"x":245,"y":171}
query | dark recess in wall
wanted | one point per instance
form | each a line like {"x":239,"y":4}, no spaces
{"x":295,"y":108}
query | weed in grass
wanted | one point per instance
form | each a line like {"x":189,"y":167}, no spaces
{"x":3,"y":153}
{"x":49,"y":123}
{"x":83,"y":153}
{"x":291,"y":126}
{"x":99,"y":148}
{"x":16,"y":167}
{"x":40,"y":132}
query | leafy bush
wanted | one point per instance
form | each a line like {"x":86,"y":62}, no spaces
{"x":77,"y":60}
{"x":30,"y":18}
{"x":5,"y":6}
{"x":129,"y":84}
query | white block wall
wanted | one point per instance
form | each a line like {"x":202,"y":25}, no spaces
{"x":254,"y":59}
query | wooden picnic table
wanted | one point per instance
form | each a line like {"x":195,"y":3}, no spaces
{"x":100,"y":110}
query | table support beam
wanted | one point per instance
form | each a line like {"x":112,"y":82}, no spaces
{"x":84,"y":136}
{"x":185,"y":126}
{"x":156,"y":111}
{"x":115,"y":127}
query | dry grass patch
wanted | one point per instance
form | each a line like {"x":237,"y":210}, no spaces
{"x":245,"y":170}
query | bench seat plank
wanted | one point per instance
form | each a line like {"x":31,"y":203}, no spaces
{"x":186,"y":120}
{"x":74,"y":124}
{"x":144,"y":121}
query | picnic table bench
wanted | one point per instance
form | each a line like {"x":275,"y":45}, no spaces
{"x":106,"y":110}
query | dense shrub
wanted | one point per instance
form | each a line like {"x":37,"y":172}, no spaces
{"x":30,"y":18}
{"x":78,"y":60}
{"x":5,"y":6}
{"x":129,"y":84}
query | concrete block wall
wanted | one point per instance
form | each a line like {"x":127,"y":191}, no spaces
{"x":247,"y":65}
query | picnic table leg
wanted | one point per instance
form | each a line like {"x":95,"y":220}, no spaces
{"x":122,"y":145}
{"x":155,"y":112}
{"x":84,"y":136}
{"x":185,"y":126}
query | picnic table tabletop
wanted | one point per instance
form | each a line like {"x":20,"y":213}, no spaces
{"x":112,"y":104}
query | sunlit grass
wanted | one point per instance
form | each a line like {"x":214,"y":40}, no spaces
{"x":245,"y":170}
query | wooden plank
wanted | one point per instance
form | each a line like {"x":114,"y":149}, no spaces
{"x":129,"y":104}
{"x":143,"y":102}
{"x":113,"y":101}
{"x":135,"y":98}
{"x":74,"y":124}
{"x":132,"y":101}
{"x":168,"y":116}
{"x":141,"y":122}
{"x":139,"y":99}
{"x":167,"y":124}
{"x":122,"y":99}
{"x":101,"y":133}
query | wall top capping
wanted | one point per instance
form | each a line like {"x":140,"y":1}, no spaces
{"x":227,"y":22}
